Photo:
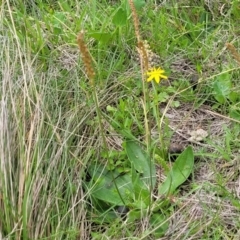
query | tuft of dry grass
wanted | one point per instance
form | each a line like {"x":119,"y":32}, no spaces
{"x":42,"y":151}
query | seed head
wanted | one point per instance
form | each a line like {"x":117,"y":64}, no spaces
{"x":87,"y":60}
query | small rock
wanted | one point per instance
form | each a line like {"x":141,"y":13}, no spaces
{"x":198,"y":135}
{"x":122,"y":210}
{"x":175,"y":148}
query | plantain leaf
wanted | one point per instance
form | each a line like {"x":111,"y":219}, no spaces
{"x":222,"y":88}
{"x":141,"y":162}
{"x":160,"y":223}
{"x":139,"y":4}
{"x":103,"y":37}
{"x":120,"y":17}
{"x":103,"y":187}
{"x":179,"y":173}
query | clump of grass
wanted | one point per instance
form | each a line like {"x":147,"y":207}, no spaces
{"x":39,"y":165}
{"x":41,"y":194}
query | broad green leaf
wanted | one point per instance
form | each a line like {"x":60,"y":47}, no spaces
{"x":134,"y":215}
{"x":179,"y":173}
{"x":235,"y":113}
{"x":141,"y":191}
{"x":219,"y":93}
{"x":139,"y":4}
{"x":120,"y":17}
{"x":141,"y":162}
{"x":103,"y":37}
{"x":233,"y":96}
{"x":222,"y":87}
{"x":103,"y":187}
{"x":159,"y":223}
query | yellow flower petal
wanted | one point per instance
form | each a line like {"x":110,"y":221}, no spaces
{"x":156,"y":74}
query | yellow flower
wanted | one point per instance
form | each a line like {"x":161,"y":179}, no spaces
{"x":156,"y":74}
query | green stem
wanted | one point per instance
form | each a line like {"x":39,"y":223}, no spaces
{"x":146,"y":108}
{"x":159,"y":123}
{"x":99,"y":115}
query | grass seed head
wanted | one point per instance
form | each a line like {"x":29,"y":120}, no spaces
{"x":135,"y":20}
{"x":87,"y":60}
{"x":234,"y":52}
{"x":143,"y":54}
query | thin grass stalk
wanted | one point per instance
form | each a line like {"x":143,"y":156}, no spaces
{"x":143,"y":56}
{"x":21,"y":172}
{"x":159,"y":123}
{"x":146,"y":109}
{"x":87,"y":60}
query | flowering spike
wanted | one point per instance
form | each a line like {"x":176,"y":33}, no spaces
{"x":87,"y":60}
